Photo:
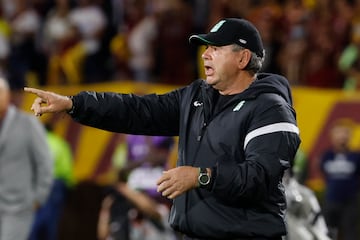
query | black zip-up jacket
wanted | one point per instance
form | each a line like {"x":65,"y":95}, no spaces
{"x":248,"y":143}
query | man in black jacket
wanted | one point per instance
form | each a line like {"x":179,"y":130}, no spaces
{"x":237,"y":134}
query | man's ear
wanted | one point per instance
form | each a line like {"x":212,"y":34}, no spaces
{"x":244,"y":58}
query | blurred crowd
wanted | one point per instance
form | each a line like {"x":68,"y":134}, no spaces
{"x":47,"y":42}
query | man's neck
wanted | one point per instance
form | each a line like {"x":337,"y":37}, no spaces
{"x":240,"y":85}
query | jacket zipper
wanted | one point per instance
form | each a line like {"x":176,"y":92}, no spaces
{"x":202,"y":130}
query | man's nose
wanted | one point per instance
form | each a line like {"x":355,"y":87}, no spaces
{"x":205,"y":54}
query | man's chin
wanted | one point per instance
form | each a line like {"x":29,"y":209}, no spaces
{"x":209,"y":81}
{"x":212,"y":84}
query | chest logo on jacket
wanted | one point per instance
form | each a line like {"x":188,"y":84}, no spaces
{"x":238,"y":106}
{"x":197,"y":104}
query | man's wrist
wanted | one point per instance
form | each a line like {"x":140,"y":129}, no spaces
{"x":70,"y":110}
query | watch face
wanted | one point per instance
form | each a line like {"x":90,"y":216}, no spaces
{"x":204,"y":179}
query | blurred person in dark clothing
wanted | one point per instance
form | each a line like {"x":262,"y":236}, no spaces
{"x":341,"y":169}
{"x":237,"y":135}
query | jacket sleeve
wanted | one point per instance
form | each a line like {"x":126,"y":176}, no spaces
{"x":270,"y":146}
{"x":42,"y":161}
{"x":128,"y":113}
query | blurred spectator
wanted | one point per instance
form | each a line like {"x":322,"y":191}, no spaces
{"x":200,"y":12}
{"x":45,"y":226}
{"x":59,"y":36}
{"x":120,"y":55}
{"x":140,"y":41}
{"x":90,"y":22}
{"x":111,"y":49}
{"x":319,"y":72}
{"x":344,"y":11}
{"x":134,"y":209}
{"x":150,"y":157}
{"x":323,"y":44}
{"x":175,"y":23}
{"x":320,"y":34}
{"x":119,"y":209}
{"x":153,"y":159}
{"x":228,"y":8}
{"x":51,"y":42}
{"x":293,"y":38}
{"x":341,"y":168}
{"x":266,"y":16}
{"x":291,"y":59}
{"x":26,"y":168}
{"x":25,"y":62}
{"x":146,"y":156}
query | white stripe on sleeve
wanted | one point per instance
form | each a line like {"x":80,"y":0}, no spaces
{"x":272,"y":128}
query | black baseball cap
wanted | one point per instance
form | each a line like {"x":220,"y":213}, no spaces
{"x":229,"y":31}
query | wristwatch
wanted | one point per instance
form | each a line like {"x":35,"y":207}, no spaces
{"x":204,"y":178}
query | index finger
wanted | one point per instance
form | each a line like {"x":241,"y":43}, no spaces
{"x":40,"y":93}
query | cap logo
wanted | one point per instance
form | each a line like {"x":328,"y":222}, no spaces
{"x":243,"y":41}
{"x":217,"y":26}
